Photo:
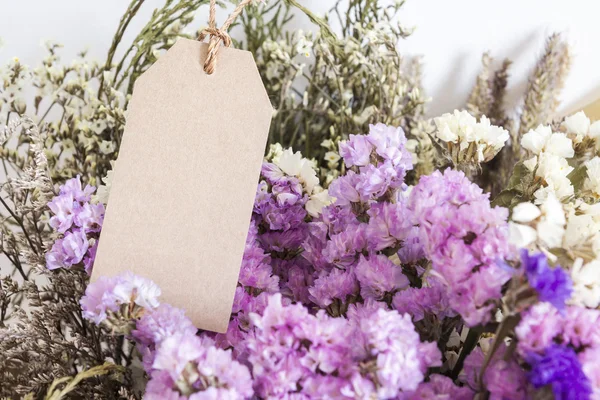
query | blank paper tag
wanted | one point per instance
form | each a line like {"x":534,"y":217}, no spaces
{"x":184,"y":184}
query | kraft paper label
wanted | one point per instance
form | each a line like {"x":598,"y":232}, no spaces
{"x":184,"y":184}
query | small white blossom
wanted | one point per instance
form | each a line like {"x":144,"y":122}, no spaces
{"x":553,"y":170}
{"x":103,"y":191}
{"x":542,"y":139}
{"x":525,"y":212}
{"x":582,"y":236}
{"x":543,"y":226}
{"x":592,"y":182}
{"x":294,"y":164}
{"x":317,"y":201}
{"x":577,"y":126}
{"x":586,"y":283}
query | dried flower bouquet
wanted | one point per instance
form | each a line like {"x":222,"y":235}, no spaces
{"x":390,"y":256}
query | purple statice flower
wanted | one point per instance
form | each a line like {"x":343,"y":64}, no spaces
{"x":504,"y":378}
{"x":277,"y":353}
{"x":471,"y":298}
{"x":440,"y":387}
{"x":378,"y":275}
{"x":335,"y":284}
{"x":314,"y":245}
{"x":559,"y":367}
{"x":89,"y":217}
{"x":390,"y":144}
{"x":80,"y":223}
{"x":538,"y":327}
{"x":389,"y":224}
{"x":375,"y":181}
{"x":581,"y":327}
{"x":342,"y":249}
{"x":356,"y":151}
{"x":64,"y":208}
{"x":107,"y":294}
{"x":337,"y":218}
{"x":344,"y":189}
{"x":279,"y":210}
{"x":412,"y":247}
{"x":299,"y":278}
{"x":328,"y":350}
{"x":465,"y":238}
{"x":240,"y":327}
{"x":188,"y":367}
{"x":280,"y":241}
{"x":272,"y":173}
{"x":428,"y":300}
{"x":389,"y":340}
{"x":156,"y":325}
{"x":68,"y":251}
{"x":256,"y":271}
{"x":590,"y":364}
{"x":379,"y":160}
{"x":553,"y":285}
{"x":73,"y":188}
{"x":90,"y":257}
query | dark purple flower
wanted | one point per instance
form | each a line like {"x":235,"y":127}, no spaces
{"x":560,"y":368}
{"x":553,"y":285}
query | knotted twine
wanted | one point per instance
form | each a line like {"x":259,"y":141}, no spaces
{"x":218,"y":35}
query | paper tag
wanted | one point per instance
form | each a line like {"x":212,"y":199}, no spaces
{"x":184,"y":184}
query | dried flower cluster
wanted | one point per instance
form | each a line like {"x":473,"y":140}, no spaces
{"x":389,"y":256}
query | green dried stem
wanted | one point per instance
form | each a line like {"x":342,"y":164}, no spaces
{"x":355,"y":78}
{"x":70,"y":383}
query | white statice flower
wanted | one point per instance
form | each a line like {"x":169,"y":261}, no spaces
{"x":103,"y":191}
{"x":594,"y":133}
{"x":411,"y":146}
{"x":553,"y":171}
{"x":592,"y":181}
{"x":468,"y":140}
{"x":319,"y":199}
{"x":293,"y":164}
{"x":541,"y":139}
{"x":538,"y":227}
{"x":577,"y":126}
{"x":586,"y":283}
{"x":582,"y":235}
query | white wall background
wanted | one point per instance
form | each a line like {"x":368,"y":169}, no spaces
{"x":450,"y":35}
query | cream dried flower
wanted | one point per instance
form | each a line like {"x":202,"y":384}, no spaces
{"x":467,"y":140}
{"x":586,"y":283}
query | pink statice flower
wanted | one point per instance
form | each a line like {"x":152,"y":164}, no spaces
{"x":504,"y":377}
{"x":188,"y":367}
{"x":107,"y":294}
{"x":439,"y":387}
{"x":378,"y":275}
{"x":466,"y":240}
{"x":79,"y":222}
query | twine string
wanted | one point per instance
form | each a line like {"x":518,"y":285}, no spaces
{"x":217,"y":35}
